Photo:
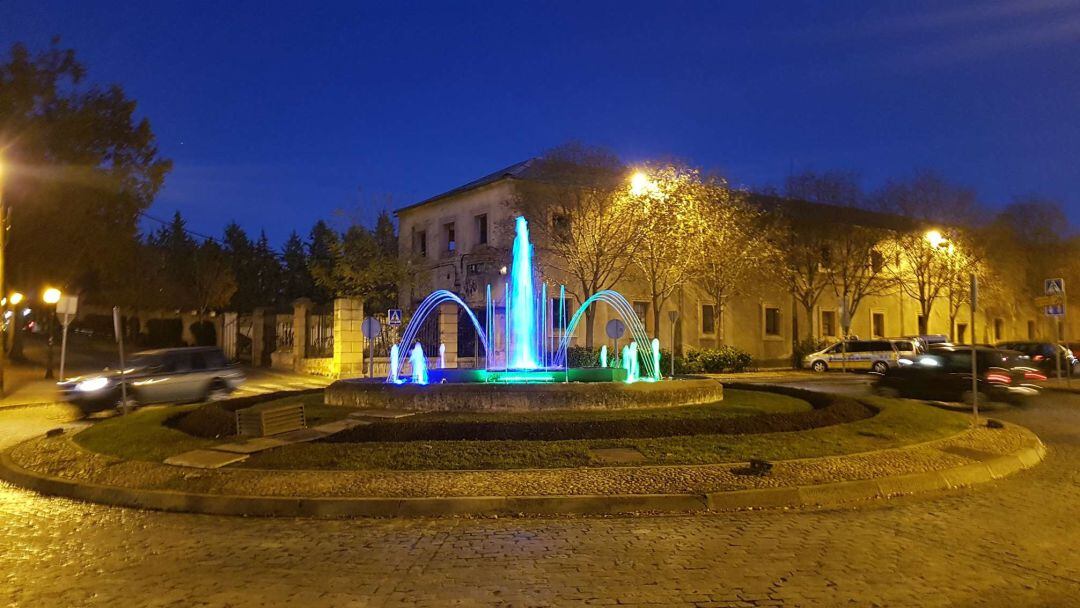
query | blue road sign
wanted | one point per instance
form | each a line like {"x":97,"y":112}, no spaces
{"x":1055,"y":311}
{"x":393,"y":316}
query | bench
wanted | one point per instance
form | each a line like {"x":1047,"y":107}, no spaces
{"x":270,"y":419}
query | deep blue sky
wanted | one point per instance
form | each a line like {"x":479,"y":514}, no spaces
{"x":279,"y":113}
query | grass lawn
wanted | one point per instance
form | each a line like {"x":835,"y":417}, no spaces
{"x":142,"y":435}
{"x":900,"y":422}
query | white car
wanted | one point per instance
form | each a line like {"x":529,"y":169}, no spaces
{"x":868,"y":355}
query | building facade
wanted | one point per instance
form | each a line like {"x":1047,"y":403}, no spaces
{"x":460,"y":241}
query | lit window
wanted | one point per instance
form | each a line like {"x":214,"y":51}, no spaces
{"x":708,"y":319}
{"x":772,"y":321}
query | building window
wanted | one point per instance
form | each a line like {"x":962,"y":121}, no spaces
{"x":420,"y":243}
{"x":877,"y":261}
{"x":451,"y":236}
{"x":560,"y":225}
{"x":481,"y":229}
{"x":999,"y":329}
{"x":828,"y":323}
{"x":708,"y":319}
{"x":772,"y":321}
{"x":961,"y":333}
{"x":1031,"y":330}
{"x":641,"y":309}
{"x":877,"y":321}
{"x":568,"y":311}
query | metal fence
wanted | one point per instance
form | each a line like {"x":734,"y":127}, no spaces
{"x":320,"y":336}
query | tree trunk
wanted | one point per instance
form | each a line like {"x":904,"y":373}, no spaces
{"x":656,"y":303}
{"x":590,"y":321}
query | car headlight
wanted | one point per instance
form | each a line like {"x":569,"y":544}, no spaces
{"x":92,"y":384}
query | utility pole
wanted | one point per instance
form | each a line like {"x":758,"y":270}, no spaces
{"x":3,"y":290}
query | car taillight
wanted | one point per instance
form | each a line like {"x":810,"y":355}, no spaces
{"x":1033,"y":375}
{"x":1038,"y":358}
{"x":998,"y":377}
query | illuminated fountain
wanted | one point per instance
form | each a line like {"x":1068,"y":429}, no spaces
{"x":534,"y":346}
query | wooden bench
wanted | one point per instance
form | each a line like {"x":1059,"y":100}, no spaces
{"x":270,"y":419}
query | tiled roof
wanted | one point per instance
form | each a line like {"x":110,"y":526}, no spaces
{"x":515,"y":171}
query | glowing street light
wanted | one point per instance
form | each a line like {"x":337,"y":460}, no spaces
{"x":16,"y":298}
{"x":641,"y":184}
{"x":51,"y":296}
{"x":935,"y":238}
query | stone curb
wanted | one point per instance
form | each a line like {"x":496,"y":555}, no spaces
{"x":830,"y":494}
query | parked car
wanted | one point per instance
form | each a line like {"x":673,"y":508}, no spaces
{"x":1044,"y":355}
{"x":944,"y":374}
{"x":158,"y":376}
{"x":873,"y":355}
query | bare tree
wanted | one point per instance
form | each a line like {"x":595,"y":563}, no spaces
{"x":676,"y":199}
{"x":576,"y":198}
{"x":739,"y":245}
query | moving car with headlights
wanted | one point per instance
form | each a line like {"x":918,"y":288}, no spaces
{"x":944,"y":374}
{"x":158,"y":376}
{"x":1044,"y":355}
{"x":873,"y":355}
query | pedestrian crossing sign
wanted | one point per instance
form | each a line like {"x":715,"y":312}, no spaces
{"x":1054,"y":286}
{"x":393,"y":316}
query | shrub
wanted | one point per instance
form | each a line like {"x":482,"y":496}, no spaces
{"x":805,"y":347}
{"x":583,"y":356}
{"x":209,"y":421}
{"x":724,"y":358}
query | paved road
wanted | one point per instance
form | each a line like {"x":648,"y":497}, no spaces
{"x":1011,"y":543}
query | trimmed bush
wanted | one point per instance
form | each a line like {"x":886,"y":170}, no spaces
{"x":805,"y":347}
{"x":209,"y":421}
{"x":583,"y":356}
{"x":718,"y":360}
{"x":828,"y":410}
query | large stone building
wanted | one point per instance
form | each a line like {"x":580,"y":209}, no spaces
{"x":461,"y":238}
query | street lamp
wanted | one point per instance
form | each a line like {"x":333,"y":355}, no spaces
{"x":641,"y":184}
{"x":51,"y":296}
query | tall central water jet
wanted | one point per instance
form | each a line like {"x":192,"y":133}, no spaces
{"x":522,"y":308}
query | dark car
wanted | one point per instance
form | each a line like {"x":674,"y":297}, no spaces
{"x":944,"y":374}
{"x":1044,"y":355}
{"x":158,"y":376}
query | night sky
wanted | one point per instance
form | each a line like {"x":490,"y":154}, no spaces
{"x":280,"y":113}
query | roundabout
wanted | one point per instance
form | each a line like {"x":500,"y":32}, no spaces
{"x":810,"y":449}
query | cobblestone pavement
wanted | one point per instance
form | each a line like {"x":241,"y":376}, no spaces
{"x":1010,"y":543}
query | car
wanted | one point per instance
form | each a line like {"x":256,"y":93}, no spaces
{"x":943,"y":373}
{"x":873,"y":355}
{"x":1044,"y":355}
{"x":165,"y":375}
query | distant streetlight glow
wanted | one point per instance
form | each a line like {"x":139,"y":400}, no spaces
{"x":16,"y":298}
{"x":51,"y":295}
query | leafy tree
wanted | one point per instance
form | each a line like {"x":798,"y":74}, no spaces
{"x":323,"y":244}
{"x":923,"y":269}
{"x":674,"y":199}
{"x":213,"y":283}
{"x":739,"y":244}
{"x":79,"y":168}
{"x":364,"y":263}
{"x":297,"y":280}
{"x":581,"y":219}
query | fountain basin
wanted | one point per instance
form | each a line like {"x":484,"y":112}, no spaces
{"x":510,"y":396}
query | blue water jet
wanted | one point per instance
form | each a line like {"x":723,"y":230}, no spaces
{"x":419,"y":365}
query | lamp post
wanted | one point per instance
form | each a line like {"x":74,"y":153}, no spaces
{"x":3,"y":235}
{"x":51,"y":296}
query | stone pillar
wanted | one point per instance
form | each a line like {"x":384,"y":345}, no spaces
{"x":228,"y":334}
{"x":448,"y":334}
{"x":348,"y":337}
{"x":259,"y":337}
{"x":301,"y":308}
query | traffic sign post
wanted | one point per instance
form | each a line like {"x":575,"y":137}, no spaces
{"x":974,"y":301}
{"x":615,"y":329}
{"x":118,"y":329}
{"x":393,"y":317}
{"x":1054,"y":305}
{"x":66,"y":306}
{"x":371,"y":330}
